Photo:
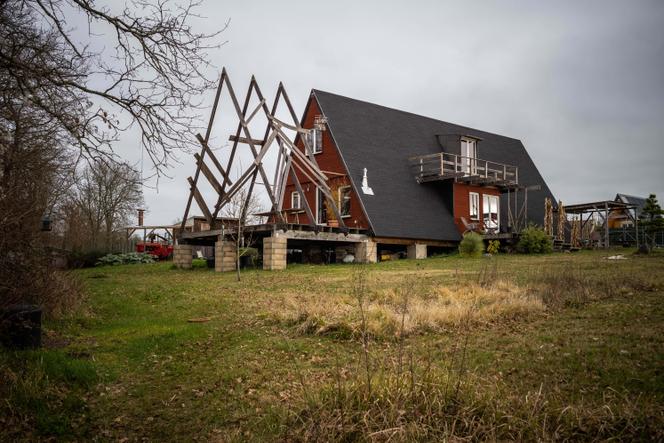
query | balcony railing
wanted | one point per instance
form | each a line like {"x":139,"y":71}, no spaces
{"x":444,"y":166}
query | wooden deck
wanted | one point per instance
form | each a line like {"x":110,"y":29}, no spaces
{"x":446,"y":166}
{"x":321,"y":232}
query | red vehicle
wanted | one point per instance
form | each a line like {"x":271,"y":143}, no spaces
{"x":159,"y":250}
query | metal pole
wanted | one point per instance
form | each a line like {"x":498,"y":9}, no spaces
{"x":636,"y":227}
{"x":606,"y":225}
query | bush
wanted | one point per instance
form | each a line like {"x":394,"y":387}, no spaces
{"x":123,"y":259}
{"x":493,"y":247}
{"x":84,"y":259}
{"x":472,"y":245}
{"x":534,"y":240}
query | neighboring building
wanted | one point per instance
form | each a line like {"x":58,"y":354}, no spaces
{"x":624,"y":217}
{"x":429,"y":180}
{"x":198,"y":223}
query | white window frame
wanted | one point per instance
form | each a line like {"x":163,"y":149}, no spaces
{"x":474,"y":203}
{"x":312,"y":140}
{"x":340,"y":193}
{"x":295,"y":196}
{"x":318,"y":144}
{"x":468,"y":150}
{"x":487,"y":208}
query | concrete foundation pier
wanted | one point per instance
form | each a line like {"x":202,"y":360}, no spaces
{"x":274,"y":253}
{"x":417,"y":251}
{"x":366,"y":251}
{"x":182,"y":256}
{"x":224,"y":256}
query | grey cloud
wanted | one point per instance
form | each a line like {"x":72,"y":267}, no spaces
{"x":581,"y":83}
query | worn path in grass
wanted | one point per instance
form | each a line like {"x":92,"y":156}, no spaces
{"x":134,"y":367}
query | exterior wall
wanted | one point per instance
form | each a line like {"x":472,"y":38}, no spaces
{"x":329,"y":161}
{"x":462,"y":202}
{"x":619,"y":218}
{"x":182,"y":256}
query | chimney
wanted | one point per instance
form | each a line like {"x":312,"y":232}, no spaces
{"x":140,"y":217}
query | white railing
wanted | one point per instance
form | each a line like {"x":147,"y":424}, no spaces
{"x":445,"y":165}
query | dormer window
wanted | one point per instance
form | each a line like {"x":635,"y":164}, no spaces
{"x":468,"y":155}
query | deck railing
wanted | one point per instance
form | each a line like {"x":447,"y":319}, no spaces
{"x":444,"y":165}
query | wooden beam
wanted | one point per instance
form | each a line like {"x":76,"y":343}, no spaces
{"x":208,"y":151}
{"x":208,"y":174}
{"x":200,"y":201}
{"x":406,"y":241}
{"x":207,"y":137}
{"x":245,"y":140}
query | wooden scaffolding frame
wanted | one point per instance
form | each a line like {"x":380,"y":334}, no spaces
{"x":290,"y":158}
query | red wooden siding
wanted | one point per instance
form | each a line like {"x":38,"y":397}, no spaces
{"x":328,"y":161}
{"x":462,"y":202}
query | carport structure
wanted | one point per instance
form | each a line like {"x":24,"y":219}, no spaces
{"x":601,"y":210}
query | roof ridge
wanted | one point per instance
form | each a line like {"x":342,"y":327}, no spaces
{"x":314,"y":90}
{"x":632,"y":196}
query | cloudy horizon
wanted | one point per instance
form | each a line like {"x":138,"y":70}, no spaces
{"x":581,"y":84}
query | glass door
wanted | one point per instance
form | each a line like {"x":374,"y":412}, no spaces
{"x":491,"y":212}
{"x":468,"y":156}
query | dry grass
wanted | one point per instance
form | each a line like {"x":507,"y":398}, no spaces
{"x":428,"y":309}
{"x":425,"y":399}
{"x":421,"y":404}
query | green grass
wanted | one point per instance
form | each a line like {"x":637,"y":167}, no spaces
{"x":131,"y":365}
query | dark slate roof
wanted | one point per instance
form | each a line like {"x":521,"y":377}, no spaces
{"x":632,"y":200}
{"x":382,"y":140}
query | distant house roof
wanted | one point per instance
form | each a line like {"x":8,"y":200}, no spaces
{"x":382,"y":140}
{"x":632,"y":200}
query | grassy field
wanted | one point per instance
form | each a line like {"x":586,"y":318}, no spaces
{"x":563,"y":346}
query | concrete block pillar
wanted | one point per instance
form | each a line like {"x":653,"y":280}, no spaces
{"x":224,"y":255}
{"x":417,"y":251}
{"x":366,"y":251}
{"x":274,"y":253}
{"x":182,"y":256}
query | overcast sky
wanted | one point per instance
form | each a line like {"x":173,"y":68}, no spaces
{"x":581,"y":83}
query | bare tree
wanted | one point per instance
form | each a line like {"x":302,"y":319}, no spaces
{"x":35,"y":171}
{"x":67,"y":93}
{"x":243,"y":212}
{"x":152,"y":76}
{"x":105,"y":195}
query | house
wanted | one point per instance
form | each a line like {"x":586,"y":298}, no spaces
{"x":625,"y":217}
{"x":393,"y":182}
{"x":406,"y":178}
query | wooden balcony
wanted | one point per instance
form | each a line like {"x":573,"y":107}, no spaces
{"x":446,"y":166}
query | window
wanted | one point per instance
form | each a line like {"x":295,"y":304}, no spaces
{"x":321,"y":208}
{"x":474,"y":206}
{"x":468,"y":156}
{"x":344,"y":201}
{"x":295,"y":200}
{"x":491,"y":212}
{"x":315,"y":140}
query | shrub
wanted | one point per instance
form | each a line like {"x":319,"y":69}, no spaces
{"x":128,"y":258}
{"x":534,"y":240}
{"x":472,"y":245}
{"x":84,"y":259}
{"x":493,"y":247}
